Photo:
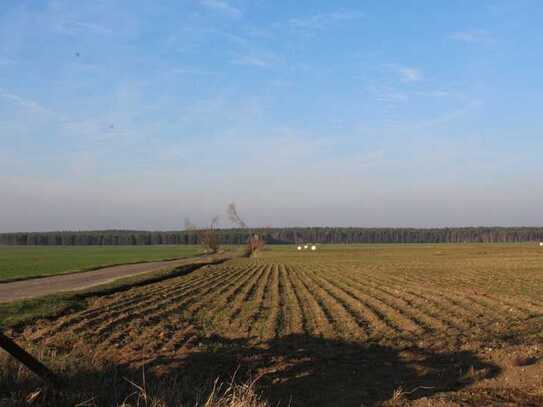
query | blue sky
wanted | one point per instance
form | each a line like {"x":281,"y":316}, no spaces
{"x":136,"y":114}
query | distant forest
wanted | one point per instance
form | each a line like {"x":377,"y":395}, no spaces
{"x":281,"y":236}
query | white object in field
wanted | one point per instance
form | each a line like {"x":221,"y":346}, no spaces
{"x":299,"y":247}
{"x":306,"y":247}
{"x":541,"y":244}
{"x":313,"y":247}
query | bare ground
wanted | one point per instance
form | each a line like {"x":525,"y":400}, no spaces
{"x":312,"y":331}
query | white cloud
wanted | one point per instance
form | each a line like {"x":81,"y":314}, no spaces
{"x":410,"y":74}
{"x":390,"y":97}
{"x":67,"y":25}
{"x":26,"y":104}
{"x":324,"y":20}
{"x":436,"y":93}
{"x":192,"y":71}
{"x":450,"y":116}
{"x":222,"y":7}
{"x":93,"y":28}
{"x":260,"y":61}
{"x":472,"y":37}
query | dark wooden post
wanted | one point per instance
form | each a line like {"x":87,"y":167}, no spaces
{"x":28,"y":360}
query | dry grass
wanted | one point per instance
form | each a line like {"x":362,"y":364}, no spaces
{"x":89,"y":382}
{"x":234,"y":395}
{"x":222,"y":394}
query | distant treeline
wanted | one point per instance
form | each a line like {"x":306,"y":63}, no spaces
{"x":281,"y":235}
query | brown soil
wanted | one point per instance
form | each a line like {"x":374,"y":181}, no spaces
{"x":319,"y":334}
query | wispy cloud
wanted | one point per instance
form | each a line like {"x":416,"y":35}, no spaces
{"x":66,"y":25}
{"x":452,"y":115}
{"x":436,"y":93}
{"x":391,"y":97}
{"x":27,"y":104}
{"x":409,"y":74}
{"x":192,"y":71}
{"x":472,"y":36}
{"x":324,"y":20}
{"x":93,"y":28}
{"x":98,"y":133}
{"x":387,"y":95}
{"x":223,"y":7}
{"x":260,"y":61}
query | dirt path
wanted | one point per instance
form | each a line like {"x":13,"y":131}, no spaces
{"x":37,"y":287}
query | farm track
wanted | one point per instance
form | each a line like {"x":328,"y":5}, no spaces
{"x":261,"y":300}
{"x":71,"y":282}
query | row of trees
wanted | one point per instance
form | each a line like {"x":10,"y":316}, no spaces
{"x":241,"y":235}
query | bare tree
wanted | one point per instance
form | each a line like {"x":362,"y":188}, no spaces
{"x":208,"y":237}
{"x":234,"y":217}
{"x":255,"y":242}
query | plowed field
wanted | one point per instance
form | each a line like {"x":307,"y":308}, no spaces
{"x":430,"y":314}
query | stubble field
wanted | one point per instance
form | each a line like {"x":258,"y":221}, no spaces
{"x":346,"y":325}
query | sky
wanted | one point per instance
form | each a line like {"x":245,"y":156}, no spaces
{"x":137,"y":114}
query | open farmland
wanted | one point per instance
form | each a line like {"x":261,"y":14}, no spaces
{"x":346,"y":325}
{"x":20,"y":262}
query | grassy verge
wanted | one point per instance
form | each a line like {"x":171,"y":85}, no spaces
{"x":25,"y":311}
{"x":23,"y":262}
{"x":94,"y":268}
